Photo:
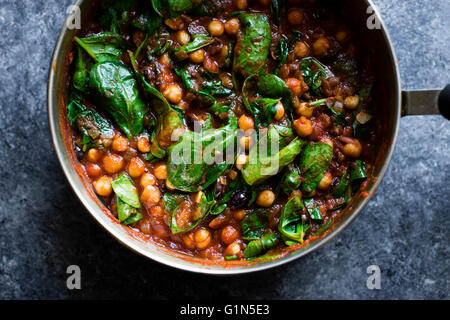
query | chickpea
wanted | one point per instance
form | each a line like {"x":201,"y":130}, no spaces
{"x":232,"y":249}
{"x":183,"y":37}
{"x":246,"y":142}
{"x":321,"y":46}
{"x":325,"y":182}
{"x":150,"y":195}
{"x":93,"y":170}
{"x":173,"y":93}
{"x":241,"y":4}
{"x":241,"y":160}
{"x":295,"y":86}
{"x":112,"y":163}
{"x":93,"y":155}
{"x":295,"y":17}
{"x":304,"y":109}
{"x":215,"y":28}
{"x":342,"y":36}
{"x":245,"y":122}
{"x":147,"y":180}
{"x":351,"y":102}
{"x":280,"y":111}
{"x":301,"y":49}
{"x":232,"y":26}
{"x":352,"y":150}
{"x":197,"y":56}
{"x":229,"y":234}
{"x":165,"y":60}
{"x":103,"y":186}
{"x":265,"y":198}
{"x":202,"y":238}
{"x":188,"y":240}
{"x":156,"y":211}
{"x":161,"y":172}
{"x":265,"y":3}
{"x":120,"y":144}
{"x":303,"y":126}
{"x":239,"y":215}
{"x":328,"y":141}
{"x":136,"y":167}
{"x":143,"y":145}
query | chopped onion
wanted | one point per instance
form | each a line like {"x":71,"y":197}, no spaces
{"x":363,"y":117}
{"x":338,"y":106}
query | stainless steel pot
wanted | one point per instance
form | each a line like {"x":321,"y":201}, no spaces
{"x":391,"y":103}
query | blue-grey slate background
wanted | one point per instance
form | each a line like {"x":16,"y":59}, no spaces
{"x":44,"y":228}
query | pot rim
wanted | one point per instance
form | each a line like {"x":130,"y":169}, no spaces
{"x":95,"y":211}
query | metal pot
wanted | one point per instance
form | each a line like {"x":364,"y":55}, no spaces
{"x":391,"y":103}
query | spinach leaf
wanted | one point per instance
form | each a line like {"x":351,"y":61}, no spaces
{"x":124,"y":189}
{"x":313,"y":72}
{"x":281,"y":54}
{"x":291,"y":179}
{"x":254,"y":224}
{"x":275,"y":150}
{"x":291,"y":225}
{"x":198,"y":41}
{"x":358,"y":174}
{"x":262,"y":245}
{"x":312,"y":209}
{"x":96,"y":131}
{"x":171,"y":8}
{"x":168,"y":119}
{"x":252,"y":46}
{"x":126,"y":213}
{"x":275,"y":9}
{"x":340,"y":188}
{"x":314,"y":161}
{"x":192,"y":162}
{"x":113,"y":87}
{"x":180,"y":206}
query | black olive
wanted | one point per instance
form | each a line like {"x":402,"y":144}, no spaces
{"x":239,"y":199}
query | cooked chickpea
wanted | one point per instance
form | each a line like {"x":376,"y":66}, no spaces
{"x":143,"y":145}
{"x":241,"y":160}
{"x":120,"y":144}
{"x":148,"y":180}
{"x":241,"y":4}
{"x":112,"y":163}
{"x":239,"y":215}
{"x":232,"y":249}
{"x":161,"y":172}
{"x":295,"y":17}
{"x":352,"y":150}
{"x":265,"y":3}
{"x":173,"y":93}
{"x":165,"y":60}
{"x":232,"y":26}
{"x":342,"y":36}
{"x":303,"y":126}
{"x":246,"y":142}
{"x":93,"y":170}
{"x":215,"y":28}
{"x":351,"y":102}
{"x":295,"y":86}
{"x":103,"y":186}
{"x":301,"y":49}
{"x":229,"y":234}
{"x":325,"y":182}
{"x":197,"y":56}
{"x":265,"y":198}
{"x":280,"y":111}
{"x":245,"y":122}
{"x":188,"y":240}
{"x":304,"y":109}
{"x":183,"y":37}
{"x":136,"y":167}
{"x":156,"y":211}
{"x":321,"y":46}
{"x":93,"y":155}
{"x":150,"y":195}
{"x":328,"y":141}
{"x":202,"y":238}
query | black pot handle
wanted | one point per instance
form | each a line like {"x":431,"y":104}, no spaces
{"x":423,"y":102}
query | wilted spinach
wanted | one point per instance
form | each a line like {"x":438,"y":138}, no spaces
{"x":314,"y":161}
{"x":254,"y":224}
{"x":262,"y":245}
{"x":198,"y":41}
{"x":313,"y":72}
{"x":253,"y":42}
{"x":291,"y":179}
{"x":312,"y":209}
{"x":291,"y":225}
{"x":128,"y":205}
{"x":174,"y":8}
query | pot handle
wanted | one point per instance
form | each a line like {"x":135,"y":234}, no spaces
{"x":423,"y":102}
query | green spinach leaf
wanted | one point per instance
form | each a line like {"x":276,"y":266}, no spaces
{"x":291,"y":179}
{"x":291,"y":225}
{"x":254,"y":224}
{"x":312,"y":209}
{"x":262,"y":245}
{"x":314,"y":161}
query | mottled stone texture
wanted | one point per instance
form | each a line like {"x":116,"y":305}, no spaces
{"x":44,"y":228}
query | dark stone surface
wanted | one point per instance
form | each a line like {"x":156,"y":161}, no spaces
{"x":44,"y":228}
